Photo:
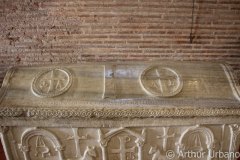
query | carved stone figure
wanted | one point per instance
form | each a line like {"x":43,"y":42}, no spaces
{"x":89,"y":154}
{"x":156,"y":154}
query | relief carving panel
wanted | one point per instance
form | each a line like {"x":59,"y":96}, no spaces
{"x":39,"y":144}
{"x":197,"y":139}
{"x":134,"y":143}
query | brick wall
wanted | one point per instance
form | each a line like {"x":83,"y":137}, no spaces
{"x":72,"y":31}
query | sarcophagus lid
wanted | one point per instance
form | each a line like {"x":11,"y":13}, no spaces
{"x":120,"y":90}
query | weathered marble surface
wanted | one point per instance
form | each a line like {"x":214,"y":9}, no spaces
{"x":133,"y":143}
{"x":134,"y":111}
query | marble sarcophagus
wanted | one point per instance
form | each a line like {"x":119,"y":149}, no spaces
{"x":137,"y":111}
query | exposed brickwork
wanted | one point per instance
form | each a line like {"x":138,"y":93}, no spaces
{"x":73,"y":31}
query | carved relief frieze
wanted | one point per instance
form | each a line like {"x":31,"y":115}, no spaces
{"x":133,"y":143}
{"x":95,"y":113}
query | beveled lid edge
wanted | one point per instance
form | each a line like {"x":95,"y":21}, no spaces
{"x":5,"y":82}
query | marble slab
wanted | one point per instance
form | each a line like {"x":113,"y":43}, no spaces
{"x":120,"y":111}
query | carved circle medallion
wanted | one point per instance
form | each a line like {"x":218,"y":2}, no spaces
{"x":52,"y":82}
{"x":161,"y":81}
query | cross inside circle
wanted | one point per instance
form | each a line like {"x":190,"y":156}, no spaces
{"x":52,"y":82}
{"x":161,"y":81}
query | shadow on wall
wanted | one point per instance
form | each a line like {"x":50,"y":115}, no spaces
{"x":197,"y":11}
{"x":238,"y":151}
{"x":2,"y":156}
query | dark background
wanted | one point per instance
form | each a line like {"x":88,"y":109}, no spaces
{"x":2,"y":156}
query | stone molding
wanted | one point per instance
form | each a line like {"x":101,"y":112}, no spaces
{"x":108,"y":113}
